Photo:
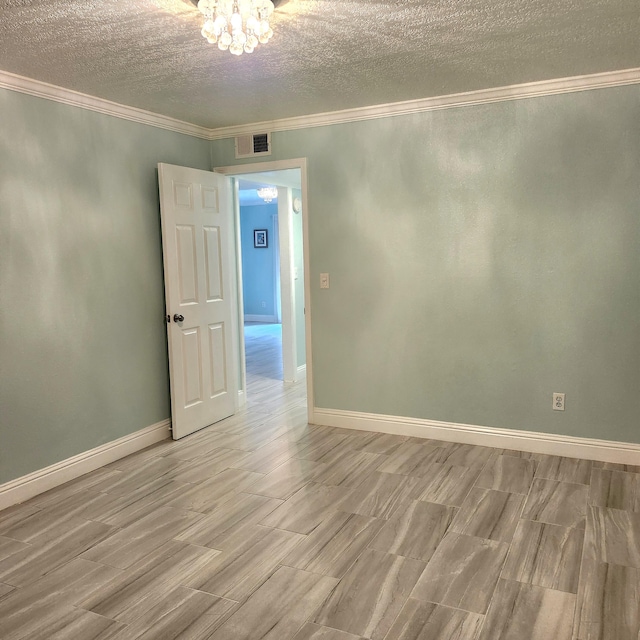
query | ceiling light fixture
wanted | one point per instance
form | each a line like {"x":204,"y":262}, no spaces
{"x":236,"y":25}
{"x":268,"y":193}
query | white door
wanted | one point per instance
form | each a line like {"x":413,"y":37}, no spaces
{"x":197,"y":242}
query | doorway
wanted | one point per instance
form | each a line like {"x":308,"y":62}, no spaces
{"x":260,"y":286}
{"x":276,"y":340}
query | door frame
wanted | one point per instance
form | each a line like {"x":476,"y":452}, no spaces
{"x":277,"y":301}
{"x":260,"y":167}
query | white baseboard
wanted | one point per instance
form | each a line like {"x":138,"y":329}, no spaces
{"x":25,"y":487}
{"x":251,"y":317}
{"x":302,"y":371}
{"x":532,"y":441}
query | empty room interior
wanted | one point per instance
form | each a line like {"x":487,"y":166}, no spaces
{"x":320,"y":320}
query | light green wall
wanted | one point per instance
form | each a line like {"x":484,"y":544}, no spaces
{"x":83,"y":356}
{"x":480,"y":258}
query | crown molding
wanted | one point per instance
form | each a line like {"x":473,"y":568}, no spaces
{"x":76,"y":99}
{"x":469,"y":98}
{"x":573,"y":84}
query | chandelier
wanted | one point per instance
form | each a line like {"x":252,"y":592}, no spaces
{"x":236,"y":25}
{"x":268,"y":193}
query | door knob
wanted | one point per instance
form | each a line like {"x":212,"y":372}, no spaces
{"x":177,"y":317}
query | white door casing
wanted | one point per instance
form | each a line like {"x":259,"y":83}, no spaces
{"x":199,"y":259}
{"x":288,"y":303}
{"x":258,"y":170}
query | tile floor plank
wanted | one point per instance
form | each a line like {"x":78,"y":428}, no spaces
{"x":306,"y":509}
{"x":610,"y":607}
{"x":312,"y":631}
{"x":130,"y":545}
{"x":379,"y":495}
{"x":238,"y":571}
{"x":132,"y":593}
{"x":465,"y":455}
{"x":382,"y":443}
{"x":616,"y":536}
{"x":5,"y":589}
{"x":285,"y":480}
{"x":208,"y":495}
{"x":416,"y":530}
{"x":411,"y":459}
{"x":60,"y":622}
{"x":564,"y":469}
{"x":67,"y":585}
{"x":447,"y":484}
{"x":221,"y":528}
{"x":554,"y":502}
{"x":371,"y":594}
{"x":30,"y":564}
{"x":462,"y":573}
{"x":349,"y":468}
{"x":277,"y":609}
{"x":521,"y":611}
{"x":335,"y":545}
{"x":207,"y":466}
{"x":615,"y":489}
{"x":489,"y":514}
{"x":505,"y":473}
{"x":9,"y":546}
{"x":182,"y":614}
{"x":546,"y":555}
{"x":428,"y":621}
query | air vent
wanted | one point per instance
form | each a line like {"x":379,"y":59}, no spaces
{"x":254,"y":144}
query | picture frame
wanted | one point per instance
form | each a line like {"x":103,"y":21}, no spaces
{"x":260,"y":238}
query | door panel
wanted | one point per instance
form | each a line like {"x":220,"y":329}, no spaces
{"x":187,"y":267}
{"x":192,"y":367}
{"x":218,"y":359}
{"x":198,"y":246}
{"x":213,"y":266}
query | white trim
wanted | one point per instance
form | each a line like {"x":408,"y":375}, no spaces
{"x":556,"y":86}
{"x":252,"y":317}
{"x":532,"y":441}
{"x":39,"y":89}
{"x":242,"y":398}
{"x":483,"y":96}
{"x":302,"y":371}
{"x":26,"y":487}
{"x":287,"y":291}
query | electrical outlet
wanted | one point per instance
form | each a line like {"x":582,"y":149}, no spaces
{"x":324,"y":280}
{"x":558,"y":401}
{"x":263,"y":304}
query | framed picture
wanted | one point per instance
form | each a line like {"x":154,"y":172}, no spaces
{"x":260,"y":239}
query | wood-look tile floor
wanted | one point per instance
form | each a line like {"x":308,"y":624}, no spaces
{"x":263,"y":526}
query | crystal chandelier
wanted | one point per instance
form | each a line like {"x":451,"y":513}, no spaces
{"x":236,"y":25}
{"x":268,"y":193}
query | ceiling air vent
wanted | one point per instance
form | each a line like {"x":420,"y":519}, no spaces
{"x":254,"y":144}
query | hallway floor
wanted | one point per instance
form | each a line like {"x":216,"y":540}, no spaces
{"x":262,"y":526}
{"x":263,"y":351}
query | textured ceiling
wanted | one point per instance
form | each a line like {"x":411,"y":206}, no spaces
{"x":325,"y":55}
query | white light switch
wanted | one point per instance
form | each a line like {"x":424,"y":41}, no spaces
{"x":324,"y":280}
